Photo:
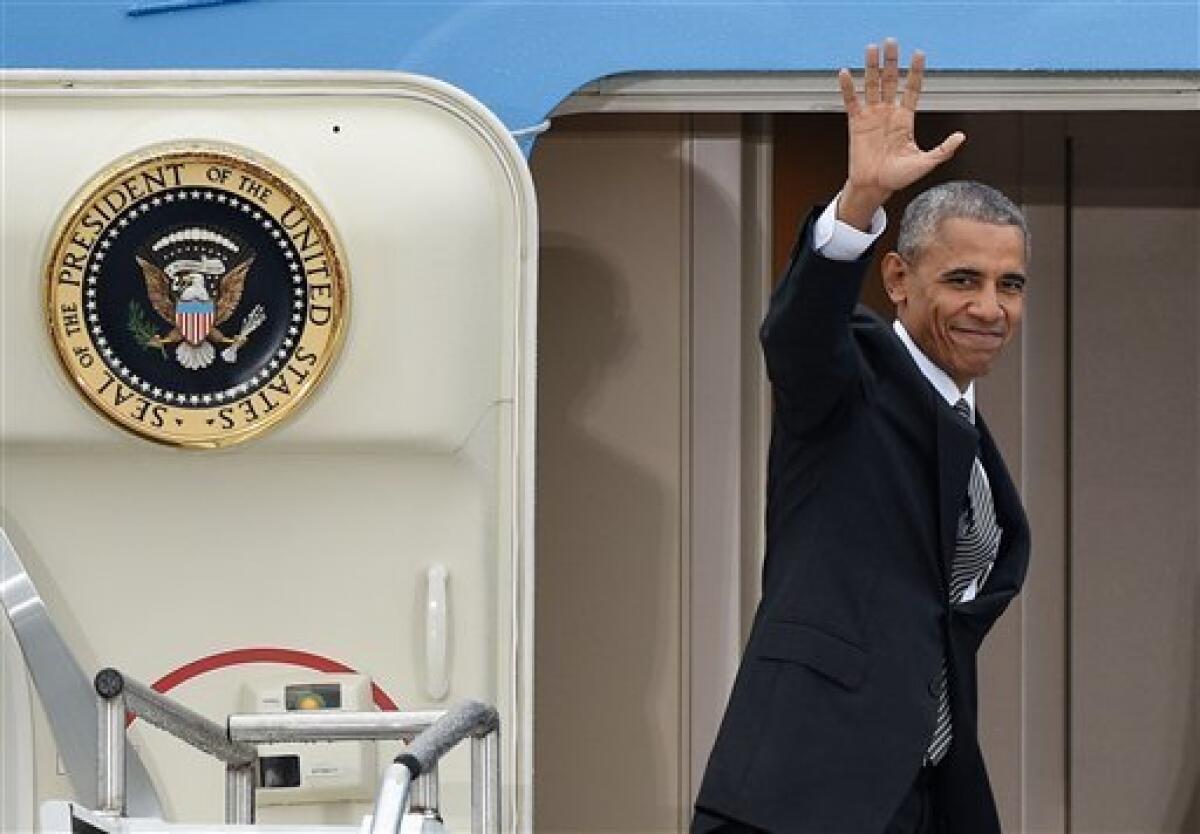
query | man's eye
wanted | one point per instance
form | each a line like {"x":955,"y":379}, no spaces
{"x":1012,"y":285}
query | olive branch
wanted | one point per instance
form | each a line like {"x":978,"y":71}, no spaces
{"x":142,"y":328}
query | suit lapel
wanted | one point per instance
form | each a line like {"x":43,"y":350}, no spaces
{"x":957,"y":445}
{"x":1013,"y":558}
{"x":957,"y":442}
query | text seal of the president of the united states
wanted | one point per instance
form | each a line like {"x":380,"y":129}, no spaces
{"x":195,"y":294}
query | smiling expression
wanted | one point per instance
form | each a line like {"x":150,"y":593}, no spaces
{"x":962,"y":297}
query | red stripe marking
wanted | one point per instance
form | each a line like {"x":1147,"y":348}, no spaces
{"x":261,"y":654}
{"x":195,"y":326}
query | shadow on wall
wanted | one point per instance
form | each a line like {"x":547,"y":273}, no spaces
{"x":604,"y":643}
{"x":1183,"y":811}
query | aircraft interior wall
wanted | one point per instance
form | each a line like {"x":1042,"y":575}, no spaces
{"x":1088,"y":682}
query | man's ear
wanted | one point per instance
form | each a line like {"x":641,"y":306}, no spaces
{"x":895,"y":274}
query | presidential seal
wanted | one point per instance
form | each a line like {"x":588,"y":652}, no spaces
{"x":195,"y":294}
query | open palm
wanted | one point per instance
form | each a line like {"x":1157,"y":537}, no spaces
{"x":884,"y":156}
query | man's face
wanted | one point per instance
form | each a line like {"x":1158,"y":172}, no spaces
{"x":962,"y":298}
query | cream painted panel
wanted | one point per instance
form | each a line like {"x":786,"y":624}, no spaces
{"x":329,"y":560}
{"x":417,"y":448}
{"x":428,"y":209}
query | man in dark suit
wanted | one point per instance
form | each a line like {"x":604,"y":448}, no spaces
{"x":895,"y":537}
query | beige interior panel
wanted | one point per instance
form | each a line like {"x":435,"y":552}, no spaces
{"x":1043,"y":482}
{"x":610,"y":483}
{"x":1135,"y":744}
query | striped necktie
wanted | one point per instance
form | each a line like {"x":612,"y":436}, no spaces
{"x":974,"y":554}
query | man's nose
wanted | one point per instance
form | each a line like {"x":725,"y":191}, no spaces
{"x":986,"y":304}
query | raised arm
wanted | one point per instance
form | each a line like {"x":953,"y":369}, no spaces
{"x":806,"y":336}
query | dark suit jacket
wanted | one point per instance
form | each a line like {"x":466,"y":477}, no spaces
{"x":834,"y":704}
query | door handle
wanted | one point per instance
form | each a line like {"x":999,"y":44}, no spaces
{"x":437,"y":638}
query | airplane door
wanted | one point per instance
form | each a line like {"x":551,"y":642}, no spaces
{"x":267,"y":385}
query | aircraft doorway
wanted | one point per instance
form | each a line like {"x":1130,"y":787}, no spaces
{"x":1088,"y":692}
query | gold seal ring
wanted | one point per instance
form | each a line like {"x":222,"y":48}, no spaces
{"x":195,"y":294}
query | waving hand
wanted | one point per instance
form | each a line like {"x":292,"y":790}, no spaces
{"x":884,"y":156}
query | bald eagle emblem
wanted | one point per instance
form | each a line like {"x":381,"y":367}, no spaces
{"x":195,"y":277}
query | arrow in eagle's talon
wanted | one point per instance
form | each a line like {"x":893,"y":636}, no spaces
{"x":249,"y":324}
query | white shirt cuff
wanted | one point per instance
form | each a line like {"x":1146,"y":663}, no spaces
{"x":840,"y":241}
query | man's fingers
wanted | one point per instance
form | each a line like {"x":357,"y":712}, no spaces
{"x":951,"y":144}
{"x":916,"y":76}
{"x":891,"y":70}
{"x":849,"y":96}
{"x":871,"y":64}
{"x":931,"y":159}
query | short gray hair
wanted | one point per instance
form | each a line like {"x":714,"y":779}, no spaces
{"x":963,"y":199}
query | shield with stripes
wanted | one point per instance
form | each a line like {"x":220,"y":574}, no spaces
{"x":194,"y":319}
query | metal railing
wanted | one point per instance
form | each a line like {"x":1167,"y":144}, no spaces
{"x":120,"y":694}
{"x":476,"y":721}
{"x":429,"y":733}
